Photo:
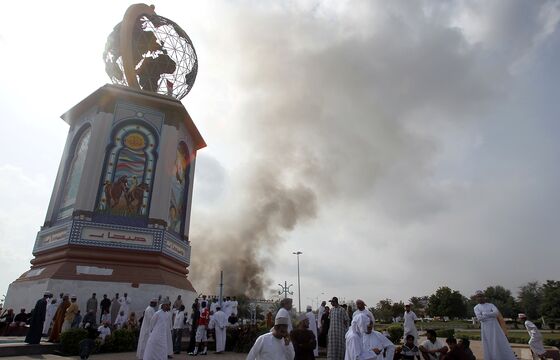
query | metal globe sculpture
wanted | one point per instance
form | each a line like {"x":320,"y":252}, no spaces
{"x":152,"y":53}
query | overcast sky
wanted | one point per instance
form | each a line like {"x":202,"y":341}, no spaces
{"x":400,"y":145}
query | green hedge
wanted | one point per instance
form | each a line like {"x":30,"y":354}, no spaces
{"x":514,"y":339}
{"x":70,"y":340}
{"x":445,"y":333}
{"x":119,"y":341}
{"x":241,"y":338}
{"x":396,"y":333}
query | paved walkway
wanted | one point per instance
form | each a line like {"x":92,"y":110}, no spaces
{"x":132,"y":356}
{"x":476,"y":347}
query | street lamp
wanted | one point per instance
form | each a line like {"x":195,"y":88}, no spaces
{"x":298,"y":253}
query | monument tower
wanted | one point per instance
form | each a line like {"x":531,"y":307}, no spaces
{"x":118,"y":218}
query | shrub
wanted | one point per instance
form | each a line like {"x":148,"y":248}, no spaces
{"x":552,"y":342}
{"x":538,"y":324}
{"x":242,"y":338}
{"x":119,"y":341}
{"x":552,"y":325}
{"x":70,"y":340}
{"x":396,"y":333}
{"x":124,"y":339}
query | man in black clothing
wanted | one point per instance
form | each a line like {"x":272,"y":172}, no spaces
{"x":37,"y":320}
{"x":89,"y":318}
{"x":194,"y":325}
{"x":303,"y":340}
{"x":22,"y":317}
{"x":105,"y":305}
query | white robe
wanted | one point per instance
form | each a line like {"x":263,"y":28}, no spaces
{"x":125,"y":306}
{"x":494,"y":341}
{"x":320,"y":313}
{"x":120,"y":321}
{"x":234,"y":305}
{"x":179,"y":321}
{"x":285,"y":314}
{"x":144,"y":332}
{"x":267,"y":347}
{"x":313,"y":327}
{"x":157,"y":347}
{"x":51,"y":310}
{"x":410,"y":326}
{"x":227,"y":308}
{"x":536,"y":340}
{"x":377,"y":340}
{"x":219,"y":323}
{"x":364,"y":312}
{"x":104,"y":332}
{"x":213,"y":307}
{"x":169,"y":320}
{"x":355,"y":347}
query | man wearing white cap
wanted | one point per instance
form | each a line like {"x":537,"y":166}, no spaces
{"x":354,"y":339}
{"x":145,"y":329}
{"x":125,"y":302}
{"x":219,"y":323}
{"x":157,"y":347}
{"x":313,"y":327}
{"x":494,"y":341}
{"x":536,"y":340}
{"x":303,"y":339}
{"x":361,"y":305}
{"x":275,"y":345}
{"x":409,"y":325}
{"x":378,"y":343}
{"x":284,"y":312}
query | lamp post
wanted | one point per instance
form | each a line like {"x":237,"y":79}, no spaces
{"x":298,"y":253}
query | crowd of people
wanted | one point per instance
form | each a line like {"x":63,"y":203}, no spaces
{"x":350,"y":335}
{"x":160,"y":326}
{"x":345,"y":334}
{"x":162,"y":330}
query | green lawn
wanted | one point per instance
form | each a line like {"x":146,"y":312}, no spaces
{"x":516,"y":337}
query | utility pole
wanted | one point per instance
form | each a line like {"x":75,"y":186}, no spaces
{"x":221,"y":286}
{"x":285,"y":289}
{"x":298,"y":287}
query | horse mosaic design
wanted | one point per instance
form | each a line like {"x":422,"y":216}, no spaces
{"x":129,"y":171}
{"x":179,"y":187}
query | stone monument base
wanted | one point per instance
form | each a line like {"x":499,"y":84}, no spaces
{"x":24,"y":294}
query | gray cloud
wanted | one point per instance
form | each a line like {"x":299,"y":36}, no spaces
{"x":341,"y":114}
{"x":388,"y":141}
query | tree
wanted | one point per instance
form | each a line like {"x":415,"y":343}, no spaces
{"x":530,"y":299}
{"x":397,"y":309}
{"x":243,"y":302}
{"x":384,"y":310}
{"x":550,"y":306}
{"x":447,"y":302}
{"x":419,"y":305}
{"x":501,"y":297}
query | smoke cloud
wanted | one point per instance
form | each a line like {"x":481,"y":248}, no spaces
{"x":335,"y":107}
